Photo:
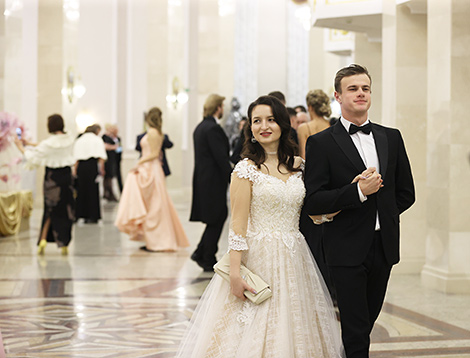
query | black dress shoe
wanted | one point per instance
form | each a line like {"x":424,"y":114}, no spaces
{"x":206,"y":266}
{"x":208,"y":269}
{"x":196,"y":256}
{"x":144,"y":248}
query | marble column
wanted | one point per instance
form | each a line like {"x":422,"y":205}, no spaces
{"x":182,"y":37}
{"x":13,"y":56}
{"x":50,"y":59}
{"x":2,"y":55}
{"x":389,"y":61}
{"x":369,"y":54}
{"x":272,"y":60}
{"x":316,"y":75}
{"x":447,"y":265}
{"x":245,"y":53}
{"x":410,"y":119}
{"x":398,"y":69}
{"x":49,"y":75}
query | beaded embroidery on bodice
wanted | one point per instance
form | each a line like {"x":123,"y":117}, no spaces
{"x":275,"y":204}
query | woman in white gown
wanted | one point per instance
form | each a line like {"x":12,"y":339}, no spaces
{"x":266,"y":193}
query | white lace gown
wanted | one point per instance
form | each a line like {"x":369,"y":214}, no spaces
{"x":298,"y":321}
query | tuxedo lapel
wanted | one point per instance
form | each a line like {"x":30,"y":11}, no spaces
{"x":381,"y":143}
{"x":344,"y":141}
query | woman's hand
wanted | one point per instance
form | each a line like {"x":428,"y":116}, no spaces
{"x":238,"y":287}
{"x":19,"y":144}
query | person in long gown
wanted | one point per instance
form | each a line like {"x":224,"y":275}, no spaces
{"x":319,"y":109}
{"x":266,"y":194}
{"x":56,"y":154}
{"x":90,"y":155}
{"x":146,"y":211}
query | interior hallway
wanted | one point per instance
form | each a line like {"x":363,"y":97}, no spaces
{"x":107,"y":298}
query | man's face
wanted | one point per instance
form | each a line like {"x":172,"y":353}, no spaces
{"x":301,"y":118}
{"x":293,"y":121}
{"x":220,"y":111}
{"x":355,"y":98}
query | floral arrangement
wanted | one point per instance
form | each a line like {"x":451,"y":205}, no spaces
{"x":10,"y":126}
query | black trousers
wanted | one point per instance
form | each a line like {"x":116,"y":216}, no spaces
{"x":208,"y":246}
{"x":360,"y":292}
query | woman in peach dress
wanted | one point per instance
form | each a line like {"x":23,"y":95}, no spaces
{"x":146,"y":211}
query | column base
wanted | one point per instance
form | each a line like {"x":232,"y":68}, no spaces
{"x":409,"y":265}
{"x":444,"y":281}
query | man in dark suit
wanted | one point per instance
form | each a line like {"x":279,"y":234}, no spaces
{"x":211,"y":177}
{"x":361,"y":243}
{"x":167,"y":144}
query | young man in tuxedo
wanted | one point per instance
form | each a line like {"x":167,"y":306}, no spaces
{"x":211,"y":177}
{"x":361,"y":242}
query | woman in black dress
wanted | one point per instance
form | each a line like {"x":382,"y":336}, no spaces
{"x":56,"y":154}
{"x":90,"y":155}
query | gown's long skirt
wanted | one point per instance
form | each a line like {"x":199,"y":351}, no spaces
{"x":59,"y":205}
{"x":298,"y":321}
{"x":146,"y":211}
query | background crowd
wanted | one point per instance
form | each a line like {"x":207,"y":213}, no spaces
{"x":265,"y":157}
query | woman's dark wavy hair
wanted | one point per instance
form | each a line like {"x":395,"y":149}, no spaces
{"x":287,"y":147}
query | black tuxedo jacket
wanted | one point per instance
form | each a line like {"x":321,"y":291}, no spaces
{"x":212,"y":172}
{"x":332,"y":163}
{"x":167,"y":144}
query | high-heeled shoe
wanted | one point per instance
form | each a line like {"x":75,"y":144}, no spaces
{"x":65,"y":250}
{"x":42,"y":247}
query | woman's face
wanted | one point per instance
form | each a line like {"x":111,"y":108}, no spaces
{"x":264,"y":126}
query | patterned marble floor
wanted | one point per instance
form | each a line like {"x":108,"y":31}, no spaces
{"x":107,"y":298}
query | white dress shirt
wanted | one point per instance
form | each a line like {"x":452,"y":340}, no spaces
{"x":365,"y":145}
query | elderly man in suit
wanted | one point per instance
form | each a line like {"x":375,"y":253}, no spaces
{"x":361,"y":242}
{"x":211,"y":177}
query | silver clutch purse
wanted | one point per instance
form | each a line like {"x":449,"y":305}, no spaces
{"x":222,"y":268}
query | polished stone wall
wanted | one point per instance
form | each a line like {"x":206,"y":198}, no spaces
{"x":447,"y":265}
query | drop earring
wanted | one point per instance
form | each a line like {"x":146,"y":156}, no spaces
{"x":253,"y":139}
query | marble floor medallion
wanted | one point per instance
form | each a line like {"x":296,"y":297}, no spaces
{"x":107,"y":298}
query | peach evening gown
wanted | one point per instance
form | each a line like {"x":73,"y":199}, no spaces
{"x":146,"y":211}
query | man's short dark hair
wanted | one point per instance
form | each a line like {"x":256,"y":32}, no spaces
{"x":279,"y":95}
{"x":351,"y":70}
{"x":291,"y":111}
{"x":300,"y":108}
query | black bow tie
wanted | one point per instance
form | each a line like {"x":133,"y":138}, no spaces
{"x":365,"y":129}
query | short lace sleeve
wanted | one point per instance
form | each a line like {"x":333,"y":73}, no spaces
{"x":245,"y":170}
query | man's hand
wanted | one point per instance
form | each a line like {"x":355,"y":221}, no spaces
{"x":369,"y":181}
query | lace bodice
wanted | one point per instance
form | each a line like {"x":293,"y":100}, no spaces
{"x":274,"y":207}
